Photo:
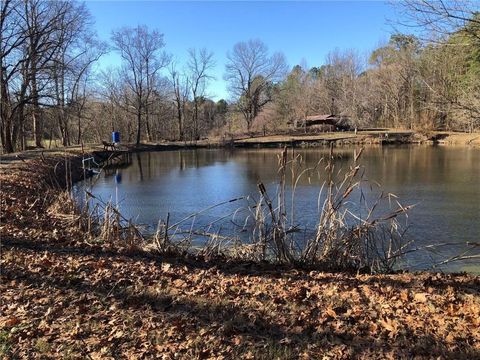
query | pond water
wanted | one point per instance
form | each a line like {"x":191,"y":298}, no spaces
{"x":442,"y":182}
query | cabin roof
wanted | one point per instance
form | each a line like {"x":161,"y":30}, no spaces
{"x":320,"y":117}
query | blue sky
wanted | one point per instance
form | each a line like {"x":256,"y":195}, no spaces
{"x":304,"y":31}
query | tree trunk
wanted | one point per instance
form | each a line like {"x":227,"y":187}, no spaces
{"x":37,"y":125}
{"x":179,"y":117}
{"x":147,"y":124}
{"x":195,"y":121}
{"x":8,"y":146}
{"x":79,"y":138}
{"x":139,"y":121}
{"x":5,"y":115}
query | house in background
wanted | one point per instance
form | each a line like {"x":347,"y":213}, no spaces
{"x":323,"y":123}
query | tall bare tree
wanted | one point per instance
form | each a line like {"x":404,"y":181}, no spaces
{"x":77,"y":51}
{"x":116,"y":97}
{"x":200,"y":63}
{"x":12,"y":41}
{"x":180,"y":85}
{"x":441,"y":18}
{"x":32,"y":38}
{"x":251,"y":73}
{"x":143,"y":59}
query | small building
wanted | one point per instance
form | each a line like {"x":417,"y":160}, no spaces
{"x":323,"y":123}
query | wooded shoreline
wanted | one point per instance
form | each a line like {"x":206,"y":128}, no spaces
{"x":367,"y":137}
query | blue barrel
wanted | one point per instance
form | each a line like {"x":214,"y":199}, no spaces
{"x":115,"y":137}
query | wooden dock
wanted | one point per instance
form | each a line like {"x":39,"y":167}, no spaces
{"x":113,"y":158}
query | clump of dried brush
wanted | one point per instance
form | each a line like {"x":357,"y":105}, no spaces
{"x":103,"y":223}
{"x":162,"y":240}
{"x":172,"y":240}
{"x":343,"y":240}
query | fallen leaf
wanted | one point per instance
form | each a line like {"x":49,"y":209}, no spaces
{"x":420,"y":297}
{"x":330,"y":312}
{"x":12,"y":321}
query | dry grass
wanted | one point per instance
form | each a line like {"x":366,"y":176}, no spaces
{"x":452,"y":138}
{"x":344,"y":240}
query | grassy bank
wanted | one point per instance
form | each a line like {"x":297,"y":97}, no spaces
{"x":367,"y":137}
{"x":63,"y":297}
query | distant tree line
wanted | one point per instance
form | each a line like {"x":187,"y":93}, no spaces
{"x":51,"y":90}
{"x":404,"y":84}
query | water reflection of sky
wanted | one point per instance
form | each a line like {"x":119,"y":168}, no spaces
{"x":443,"y":182}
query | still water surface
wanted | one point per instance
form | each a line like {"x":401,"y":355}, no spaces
{"x":443,"y":183}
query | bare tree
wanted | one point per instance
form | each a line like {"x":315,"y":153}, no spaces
{"x":251,"y":73}
{"x":32,"y":39}
{"x":78,"y":50}
{"x":140,"y":50}
{"x":44,"y":46}
{"x":199,"y":65}
{"x":12,"y":40}
{"x":450,"y":28}
{"x":180,"y":86}
{"x":441,"y":18}
{"x":116,"y":100}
